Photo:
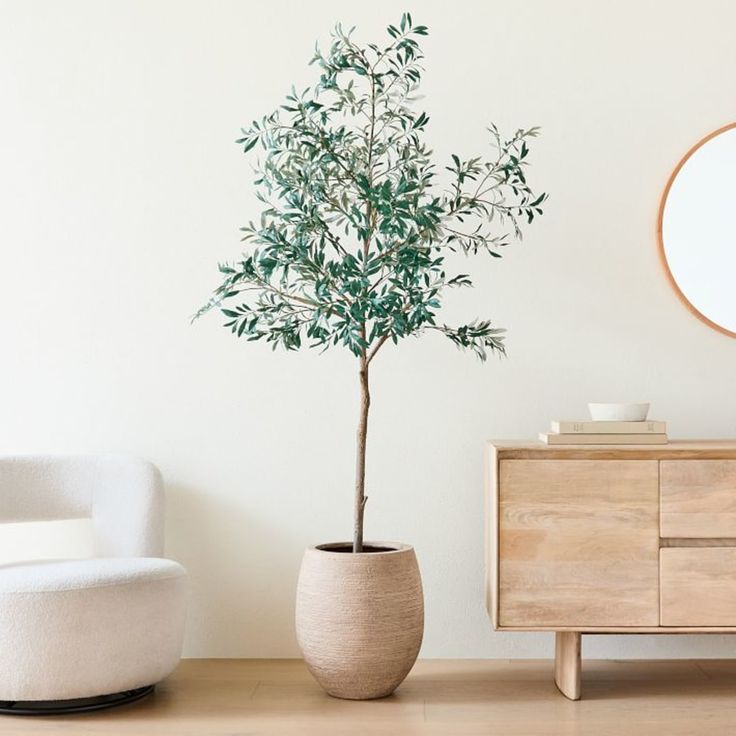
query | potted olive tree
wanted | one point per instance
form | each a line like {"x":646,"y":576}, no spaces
{"x":350,"y":250}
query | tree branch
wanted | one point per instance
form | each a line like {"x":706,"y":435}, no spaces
{"x":372,"y":352}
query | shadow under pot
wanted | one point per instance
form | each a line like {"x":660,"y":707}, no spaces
{"x":360,"y":617}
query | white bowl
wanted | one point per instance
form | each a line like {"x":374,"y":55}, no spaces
{"x":618,"y":412}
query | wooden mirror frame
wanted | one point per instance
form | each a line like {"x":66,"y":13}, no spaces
{"x":660,"y":239}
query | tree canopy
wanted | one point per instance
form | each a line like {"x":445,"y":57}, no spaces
{"x":350,"y":248}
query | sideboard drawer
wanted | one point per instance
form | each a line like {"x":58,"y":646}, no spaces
{"x":698,"y":498}
{"x":698,"y":586}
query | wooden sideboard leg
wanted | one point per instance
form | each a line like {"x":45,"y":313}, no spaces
{"x":567,"y":663}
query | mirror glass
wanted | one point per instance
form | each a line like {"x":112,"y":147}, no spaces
{"x":697,"y":229}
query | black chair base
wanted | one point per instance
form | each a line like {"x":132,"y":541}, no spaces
{"x":77,"y":705}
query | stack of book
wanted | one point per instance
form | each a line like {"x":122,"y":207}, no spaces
{"x":606,"y":433}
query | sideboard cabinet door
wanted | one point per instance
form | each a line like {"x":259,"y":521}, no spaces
{"x":578,"y":543}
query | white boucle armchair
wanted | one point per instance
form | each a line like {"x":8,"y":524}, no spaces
{"x":88,"y":633}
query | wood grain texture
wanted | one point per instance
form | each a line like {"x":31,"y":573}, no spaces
{"x":676,"y":449}
{"x":360,"y":618}
{"x":703,"y":542}
{"x":626,"y":629}
{"x":567,"y":663}
{"x":221,"y":697}
{"x":490,"y":477}
{"x":698,"y":498}
{"x":698,"y":586}
{"x":578,"y":543}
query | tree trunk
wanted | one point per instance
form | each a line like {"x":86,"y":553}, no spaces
{"x":360,"y":497}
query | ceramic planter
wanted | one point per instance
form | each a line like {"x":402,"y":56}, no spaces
{"x":360,"y":617}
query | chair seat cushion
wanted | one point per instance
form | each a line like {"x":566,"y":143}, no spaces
{"x":80,"y":628}
{"x":45,"y":576}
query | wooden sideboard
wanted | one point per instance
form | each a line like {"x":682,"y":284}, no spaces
{"x":610,"y":539}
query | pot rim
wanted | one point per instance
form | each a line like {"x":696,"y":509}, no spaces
{"x":393,"y":548}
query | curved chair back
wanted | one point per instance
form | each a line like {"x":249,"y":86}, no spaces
{"x":122,"y":495}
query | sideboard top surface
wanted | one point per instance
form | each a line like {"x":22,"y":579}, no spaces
{"x":675,"y":449}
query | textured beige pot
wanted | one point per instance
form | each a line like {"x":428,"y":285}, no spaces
{"x":360,"y":617}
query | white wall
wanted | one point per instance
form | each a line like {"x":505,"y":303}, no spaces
{"x":121,"y":188}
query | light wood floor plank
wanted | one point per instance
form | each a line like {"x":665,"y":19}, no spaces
{"x":440,"y":698}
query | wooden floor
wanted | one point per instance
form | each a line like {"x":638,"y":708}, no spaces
{"x":448,"y":697}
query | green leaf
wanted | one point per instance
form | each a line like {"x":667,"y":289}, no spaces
{"x":249,"y":144}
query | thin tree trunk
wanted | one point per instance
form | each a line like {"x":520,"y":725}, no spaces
{"x":360,"y":497}
{"x":365,"y":393}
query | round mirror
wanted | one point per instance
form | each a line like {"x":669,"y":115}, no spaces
{"x":697,"y":229}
